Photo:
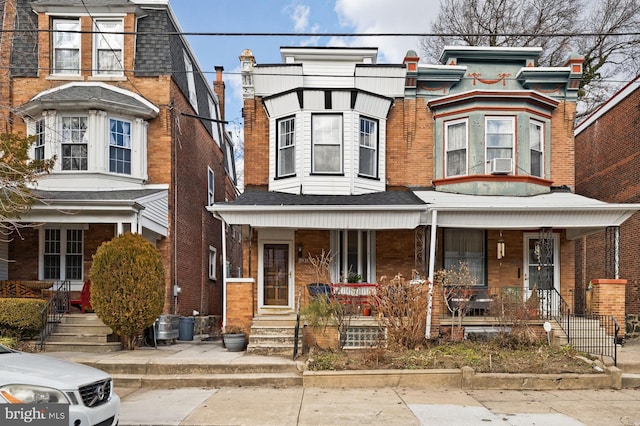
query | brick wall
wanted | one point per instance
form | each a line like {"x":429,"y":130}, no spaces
{"x":240,"y":296}
{"x":608,"y":168}
{"x":256,"y":143}
{"x":606,"y":299}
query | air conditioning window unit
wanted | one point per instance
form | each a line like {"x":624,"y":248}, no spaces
{"x":501,"y":166}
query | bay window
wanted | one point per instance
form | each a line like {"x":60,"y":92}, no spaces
{"x":119,"y":146}
{"x":38,"y":145}
{"x":326,"y":137}
{"x":368,"y":148}
{"x":74,"y":143}
{"x":456,"y":148}
{"x":536,"y":148}
{"x":66,"y":46}
{"x":499,"y":137}
{"x":286,"y":158}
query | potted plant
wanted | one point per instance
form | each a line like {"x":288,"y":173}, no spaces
{"x":321,"y":266}
{"x":234,"y":339}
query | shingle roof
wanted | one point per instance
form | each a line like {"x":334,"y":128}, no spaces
{"x":116,"y":195}
{"x":259,"y":197}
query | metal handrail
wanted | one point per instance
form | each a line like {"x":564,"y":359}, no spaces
{"x":54,"y":309}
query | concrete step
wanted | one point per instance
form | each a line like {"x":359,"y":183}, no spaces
{"x":630,"y":380}
{"x":80,"y":346}
{"x":81,"y":319}
{"x":265,"y":339}
{"x":208,"y":380}
{"x":60,"y":337}
{"x":281,"y":349}
{"x":83,"y":329}
{"x":190,"y":368}
{"x":260,"y":330}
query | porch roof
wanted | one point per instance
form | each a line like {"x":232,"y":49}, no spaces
{"x":561,"y":209}
{"x":383,"y":210}
{"x":147,"y":207}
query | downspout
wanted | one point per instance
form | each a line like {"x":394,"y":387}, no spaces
{"x":432,"y":261}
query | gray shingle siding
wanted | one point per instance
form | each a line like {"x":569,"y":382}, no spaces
{"x":24,"y":50}
{"x":153,"y":55}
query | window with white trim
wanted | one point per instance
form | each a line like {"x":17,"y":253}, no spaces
{"x":456,"y":136}
{"x":326,"y":137}
{"x":466,"y":246}
{"x":38,"y":145}
{"x":191,"y":82}
{"x":354,"y":254}
{"x":216,"y":126}
{"x":536,"y":148}
{"x":74,"y":143}
{"x":213,"y":260}
{"x":62,"y":254}
{"x":108,"y":45}
{"x":210,"y":186}
{"x":499,"y":137}
{"x":286,"y":159}
{"x":368,"y":148}
{"x":119,"y":146}
{"x":66,"y":46}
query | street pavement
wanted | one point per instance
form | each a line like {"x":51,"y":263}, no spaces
{"x":382,"y":406}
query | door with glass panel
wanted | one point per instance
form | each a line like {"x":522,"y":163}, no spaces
{"x":276,"y":274}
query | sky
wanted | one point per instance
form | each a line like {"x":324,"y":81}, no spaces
{"x":294,"y":16}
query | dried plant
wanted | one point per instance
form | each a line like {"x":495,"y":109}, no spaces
{"x":321,"y":266}
{"x":457,"y":290}
{"x":402,"y":309}
{"x":513,"y":314}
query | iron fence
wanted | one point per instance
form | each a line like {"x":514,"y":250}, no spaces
{"x":57,"y":305}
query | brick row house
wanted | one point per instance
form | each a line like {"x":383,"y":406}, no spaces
{"x":400,"y":167}
{"x":115,"y":93}
{"x":607,"y":168}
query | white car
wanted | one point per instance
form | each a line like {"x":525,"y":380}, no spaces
{"x":37,"y":379}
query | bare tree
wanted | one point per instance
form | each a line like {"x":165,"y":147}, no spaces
{"x":18,"y":173}
{"x":603,"y":31}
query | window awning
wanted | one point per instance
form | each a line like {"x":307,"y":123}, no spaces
{"x":577,"y":214}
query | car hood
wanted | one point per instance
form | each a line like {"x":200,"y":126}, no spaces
{"x":26,"y":368}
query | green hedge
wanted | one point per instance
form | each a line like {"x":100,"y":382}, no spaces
{"x":21,"y":317}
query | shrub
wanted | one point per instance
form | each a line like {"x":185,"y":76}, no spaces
{"x":21,"y":317}
{"x":127,"y":291}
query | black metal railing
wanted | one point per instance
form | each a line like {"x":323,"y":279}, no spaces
{"x":594,"y":334}
{"x":55,"y":308}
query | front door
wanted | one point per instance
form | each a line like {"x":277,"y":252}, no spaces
{"x":541,"y":266}
{"x":276,"y":274}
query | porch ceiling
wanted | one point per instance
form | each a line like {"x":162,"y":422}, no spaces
{"x":577,"y":214}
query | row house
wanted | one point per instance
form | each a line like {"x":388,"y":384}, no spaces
{"x":607,"y":168}
{"x":394,"y":168}
{"x":112,"y":90}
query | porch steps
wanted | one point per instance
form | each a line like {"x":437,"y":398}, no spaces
{"x":274,"y":335}
{"x":82,"y":332}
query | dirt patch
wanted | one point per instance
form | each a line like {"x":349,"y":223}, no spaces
{"x":483,"y":357}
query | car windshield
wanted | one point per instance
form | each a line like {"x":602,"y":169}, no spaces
{"x":5,"y":350}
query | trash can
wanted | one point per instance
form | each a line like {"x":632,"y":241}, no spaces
{"x":185,"y":330}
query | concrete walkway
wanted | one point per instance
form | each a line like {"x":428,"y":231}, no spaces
{"x":297,"y":405}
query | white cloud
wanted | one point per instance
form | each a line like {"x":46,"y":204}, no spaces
{"x":299,"y":13}
{"x":384,"y":16}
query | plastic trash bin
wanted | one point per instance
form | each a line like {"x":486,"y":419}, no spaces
{"x":185,"y":329}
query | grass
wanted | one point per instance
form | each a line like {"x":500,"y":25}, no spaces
{"x":483,"y":357}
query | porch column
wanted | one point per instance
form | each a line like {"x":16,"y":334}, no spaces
{"x":432,"y":267}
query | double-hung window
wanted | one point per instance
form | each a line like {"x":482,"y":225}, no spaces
{"x":38,"y":145}
{"x":66,"y":46}
{"x":108,"y":46}
{"x":210,"y":186}
{"x":466,"y":246}
{"x":326,"y":137}
{"x":119,"y":146}
{"x":536,"y":148}
{"x":191,"y":82}
{"x":63,"y":257}
{"x":286,"y":159}
{"x":74,"y":143}
{"x":499,"y":136}
{"x":456,"y":148}
{"x":368,"y":148}
{"x":213,"y":263}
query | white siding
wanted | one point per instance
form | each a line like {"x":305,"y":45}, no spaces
{"x":282,"y":105}
{"x":314,"y":100}
{"x":275,"y":79}
{"x":372,"y":105}
{"x":386,"y":81}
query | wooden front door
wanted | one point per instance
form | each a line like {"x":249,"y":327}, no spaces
{"x":276,"y":274}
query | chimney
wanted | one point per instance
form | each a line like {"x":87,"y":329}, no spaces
{"x":218,"y":89}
